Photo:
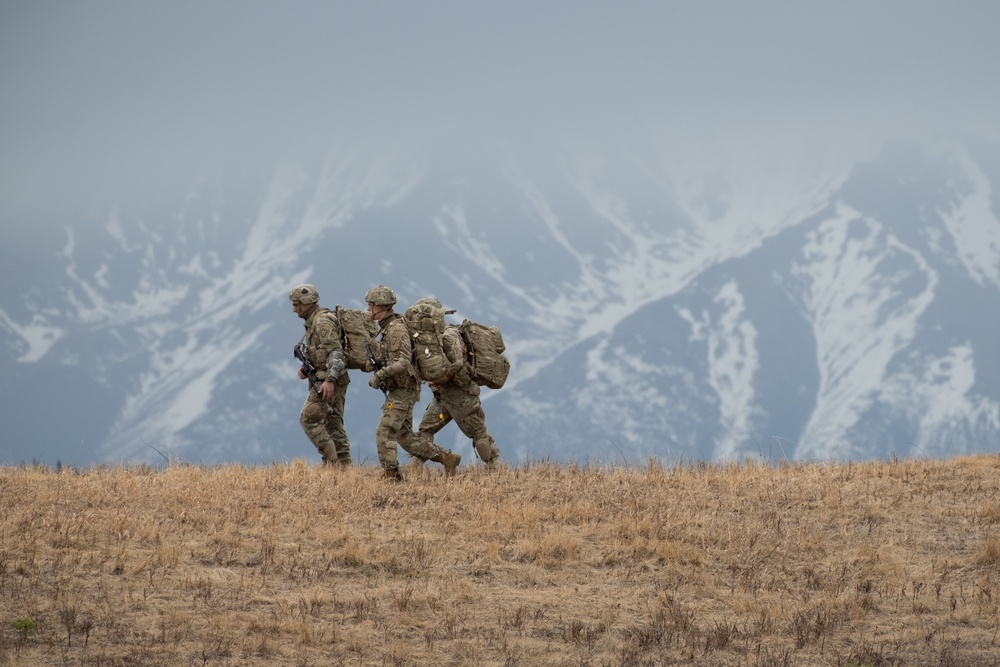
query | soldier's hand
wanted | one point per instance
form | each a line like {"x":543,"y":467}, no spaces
{"x":302,"y":373}
{"x":328,"y":390}
{"x":375,"y":382}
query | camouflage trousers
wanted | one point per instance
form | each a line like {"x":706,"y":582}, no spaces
{"x":323,"y":424}
{"x":395,"y":427}
{"x":459,"y":403}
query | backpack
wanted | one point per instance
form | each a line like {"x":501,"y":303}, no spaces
{"x":425,"y":322}
{"x":485,"y":354}
{"x":356,"y":331}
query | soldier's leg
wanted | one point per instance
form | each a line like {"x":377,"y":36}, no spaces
{"x":471,"y":419}
{"x":435,"y":418}
{"x":335,"y":427}
{"x":423,"y":447}
{"x":385,"y":442}
{"x":313,"y":419}
{"x":393,"y":428}
{"x":413,"y":446}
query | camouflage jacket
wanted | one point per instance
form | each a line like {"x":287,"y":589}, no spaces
{"x":323,"y":347}
{"x":394,"y":352}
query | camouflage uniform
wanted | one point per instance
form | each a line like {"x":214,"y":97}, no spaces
{"x":323,"y":422}
{"x":458,"y":400}
{"x":396,"y":376}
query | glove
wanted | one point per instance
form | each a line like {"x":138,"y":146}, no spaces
{"x":375,"y":382}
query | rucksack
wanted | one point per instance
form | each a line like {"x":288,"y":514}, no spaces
{"x":425,"y":322}
{"x":357,"y":330}
{"x":485,"y":354}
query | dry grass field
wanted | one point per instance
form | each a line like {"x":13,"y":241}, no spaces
{"x":877,"y":563}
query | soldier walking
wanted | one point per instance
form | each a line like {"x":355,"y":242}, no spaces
{"x":457,"y":398}
{"x":320,"y":350}
{"x":393,"y":373}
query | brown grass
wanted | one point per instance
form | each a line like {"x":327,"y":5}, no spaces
{"x":875,"y":564}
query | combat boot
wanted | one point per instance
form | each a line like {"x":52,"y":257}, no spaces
{"x":392,"y":473}
{"x":484,"y":448}
{"x":450,"y":461}
{"x":343,"y":456}
{"x":328,"y":451}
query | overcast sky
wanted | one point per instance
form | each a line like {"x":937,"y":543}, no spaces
{"x":110,"y":96}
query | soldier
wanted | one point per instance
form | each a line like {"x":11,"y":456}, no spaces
{"x":322,"y":416}
{"x":457,"y":398}
{"x":394,"y":374}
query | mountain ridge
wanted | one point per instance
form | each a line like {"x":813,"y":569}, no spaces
{"x":668,"y":315}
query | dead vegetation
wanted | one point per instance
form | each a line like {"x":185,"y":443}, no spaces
{"x":860,"y":564}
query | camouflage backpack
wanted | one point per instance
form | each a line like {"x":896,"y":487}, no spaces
{"x":485,"y":354}
{"x":357,"y":329}
{"x":425,"y":322}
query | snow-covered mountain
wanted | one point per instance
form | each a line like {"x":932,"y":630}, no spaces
{"x":782,"y":310}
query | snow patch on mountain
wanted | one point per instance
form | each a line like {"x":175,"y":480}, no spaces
{"x":616,"y":381}
{"x":974,"y":228}
{"x":732,"y":360}
{"x":175,"y":391}
{"x":93,"y":305}
{"x":854,"y":273}
{"x":33,"y":339}
{"x":646,"y":260}
{"x":937,"y":394}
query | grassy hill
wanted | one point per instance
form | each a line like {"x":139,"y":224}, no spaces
{"x":878,"y":563}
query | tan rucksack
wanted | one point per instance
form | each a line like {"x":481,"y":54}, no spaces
{"x":425,"y":322}
{"x":357,"y":329}
{"x":485,"y":354}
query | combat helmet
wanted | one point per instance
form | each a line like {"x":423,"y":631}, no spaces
{"x":381,"y":296}
{"x":304,"y":293}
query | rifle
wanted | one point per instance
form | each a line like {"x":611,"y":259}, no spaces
{"x":307,"y":366}
{"x":375,"y":364}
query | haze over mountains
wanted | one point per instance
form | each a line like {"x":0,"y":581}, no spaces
{"x":781,"y":312}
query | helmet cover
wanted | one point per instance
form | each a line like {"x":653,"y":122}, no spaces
{"x":304,"y":293}
{"x":381,"y":296}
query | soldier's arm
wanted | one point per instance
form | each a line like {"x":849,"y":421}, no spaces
{"x":454,"y":350}
{"x":400,"y":351}
{"x":328,"y":335}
